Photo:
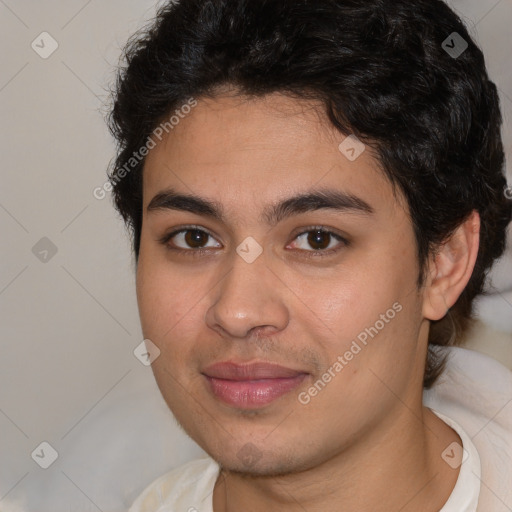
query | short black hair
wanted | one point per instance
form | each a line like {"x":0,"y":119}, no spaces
{"x":383,"y":71}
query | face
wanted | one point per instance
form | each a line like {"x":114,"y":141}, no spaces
{"x":289,"y":329}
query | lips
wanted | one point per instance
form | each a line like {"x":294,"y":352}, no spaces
{"x":254,"y":371}
{"x":248,"y":386}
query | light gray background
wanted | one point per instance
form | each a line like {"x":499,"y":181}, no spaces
{"x":69,"y":326}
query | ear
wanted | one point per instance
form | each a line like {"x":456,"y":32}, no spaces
{"x":450,"y":268}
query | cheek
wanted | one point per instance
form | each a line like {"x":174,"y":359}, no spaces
{"x":373,"y":302}
{"x":166,"y":299}
{"x":170,"y":313}
{"x":345,"y":302}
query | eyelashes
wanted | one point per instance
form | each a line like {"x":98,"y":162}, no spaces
{"x":191,"y":235}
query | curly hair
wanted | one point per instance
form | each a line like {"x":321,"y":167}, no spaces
{"x":383,"y":72}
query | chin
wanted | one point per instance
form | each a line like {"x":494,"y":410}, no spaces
{"x":250,"y":461}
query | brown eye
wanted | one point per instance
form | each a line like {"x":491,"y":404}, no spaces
{"x":320,"y":241}
{"x":188,"y":240}
{"x":195,"y":238}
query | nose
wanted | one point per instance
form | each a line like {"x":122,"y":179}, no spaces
{"x":247,"y":300}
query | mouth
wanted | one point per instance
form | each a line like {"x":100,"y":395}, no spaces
{"x":249,"y":386}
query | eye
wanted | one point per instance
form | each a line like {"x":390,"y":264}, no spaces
{"x":194,"y":241}
{"x":187,"y":239}
{"x":321,"y":240}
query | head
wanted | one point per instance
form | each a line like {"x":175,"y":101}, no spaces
{"x":244,"y":105}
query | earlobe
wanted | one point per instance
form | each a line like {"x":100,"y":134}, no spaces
{"x":450,"y":268}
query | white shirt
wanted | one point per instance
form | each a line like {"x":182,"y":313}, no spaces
{"x":473,"y":396}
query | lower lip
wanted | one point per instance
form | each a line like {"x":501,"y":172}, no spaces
{"x":248,"y":394}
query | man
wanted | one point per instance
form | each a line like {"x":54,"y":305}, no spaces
{"x":315,"y":190}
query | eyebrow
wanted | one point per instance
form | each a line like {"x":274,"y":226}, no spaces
{"x":312,"y":200}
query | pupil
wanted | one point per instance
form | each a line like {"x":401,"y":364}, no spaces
{"x":315,"y":237}
{"x":194,"y":236}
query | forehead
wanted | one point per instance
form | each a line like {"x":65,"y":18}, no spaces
{"x":243,"y":151}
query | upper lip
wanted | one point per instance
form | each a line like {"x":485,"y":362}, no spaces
{"x":230,"y":370}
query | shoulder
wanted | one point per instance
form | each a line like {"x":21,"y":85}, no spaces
{"x":187,"y":487}
{"x":475,"y":391}
{"x":473,"y":386}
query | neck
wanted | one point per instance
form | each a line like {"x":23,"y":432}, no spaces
{"x":398,"y":467}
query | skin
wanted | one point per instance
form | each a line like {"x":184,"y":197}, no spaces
{"x":365,"y":441}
